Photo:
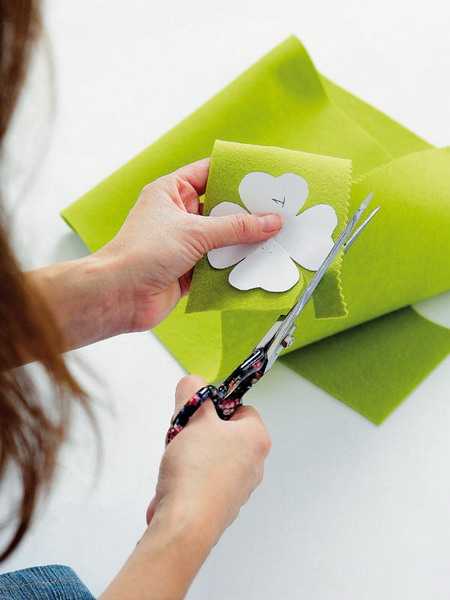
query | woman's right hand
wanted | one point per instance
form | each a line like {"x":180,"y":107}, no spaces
{"x":210,"y":469}
{"x":207,"y":473}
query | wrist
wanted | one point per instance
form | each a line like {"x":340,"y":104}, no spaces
{"x":111,"y":293}
{"x":186,"y":527}
{"x":85,"y":298}
{"x":166,"y":559}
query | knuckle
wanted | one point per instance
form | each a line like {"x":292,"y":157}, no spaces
{"x":181,"y":187}
{"x":263,"y":444}
{"x":241,"y":226}
{"x":189,"y":384}
{"x":177,"y":181}
{"x":181,"y":385}
{"x":259,"y":435}
{"x":266,"y":445}
{"x":198,"y":239}
{"x":184,"y":184}
{"x":163,"y":183}
{"x":250,"y":412}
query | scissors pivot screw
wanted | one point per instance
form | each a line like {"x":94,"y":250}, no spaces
{"x":288,"y":341}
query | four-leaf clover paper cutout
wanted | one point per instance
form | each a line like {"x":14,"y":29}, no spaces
{"x":305,"y":237}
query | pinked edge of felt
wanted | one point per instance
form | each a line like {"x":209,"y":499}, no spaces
{"x":342,"y":310}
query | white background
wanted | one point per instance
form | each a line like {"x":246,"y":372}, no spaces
{"x":347,"y":511}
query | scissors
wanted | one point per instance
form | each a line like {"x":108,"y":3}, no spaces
{"x":227,"y":396}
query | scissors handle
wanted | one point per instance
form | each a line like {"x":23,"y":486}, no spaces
{"x":227,"y":398}
{"x":181,"y":419}
{"x":225,"y":408}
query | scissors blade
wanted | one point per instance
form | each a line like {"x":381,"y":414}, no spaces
{"x":358,"y":230}
{"x":347,"y":236}
{"x":281,"y":331}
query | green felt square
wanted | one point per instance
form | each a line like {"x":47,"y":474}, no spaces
{"x":329,"y":182}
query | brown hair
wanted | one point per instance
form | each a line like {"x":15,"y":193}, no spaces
{"x":30,"y":435}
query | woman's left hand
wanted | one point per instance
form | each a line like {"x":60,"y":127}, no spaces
{"x":135,"y":280}
{"x":163,"y":238}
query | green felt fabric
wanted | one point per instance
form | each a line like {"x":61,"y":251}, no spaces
{"x":283,"y":101}
{"x":387,"y":268}
{"x":407,"y":344}
{"x":392,"y":137}
{"x":329,"y":181}
{"x":279,"y":101}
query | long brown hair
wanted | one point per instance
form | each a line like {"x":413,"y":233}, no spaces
{"x":30,"y":435}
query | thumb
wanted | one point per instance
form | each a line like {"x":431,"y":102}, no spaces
{"x":239,"y":228}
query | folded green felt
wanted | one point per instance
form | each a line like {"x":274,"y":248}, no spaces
{"x":375,"y":365}
{"x":401,"y":258}
{"x":329,"y":180}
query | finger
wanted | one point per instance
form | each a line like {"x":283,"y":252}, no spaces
{"x":182,"y":186}
{"x":196,"y":174}
{"x":238,"y":229}
{"x":151,"y":510}
{"x":186,"y":388}
{"x":191,"y":203}
{"x":249,"y":418}
{"x":185,"y":282}
{"x":248,"y":413}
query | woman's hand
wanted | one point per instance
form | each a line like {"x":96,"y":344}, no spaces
{"x":207,"y":473}
{"x":133,"y":282}
{"x":163,"y":238}
{"x":212,"y":467}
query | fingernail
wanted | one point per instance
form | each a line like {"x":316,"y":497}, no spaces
{"x":270,"y":223}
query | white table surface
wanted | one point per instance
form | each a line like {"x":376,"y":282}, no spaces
{"x":347,"y":511}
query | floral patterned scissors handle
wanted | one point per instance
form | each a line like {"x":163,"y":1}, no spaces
{"x":227,"y":397}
